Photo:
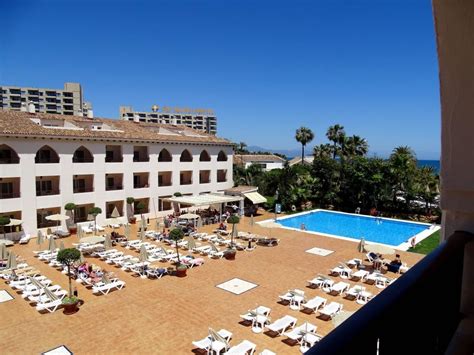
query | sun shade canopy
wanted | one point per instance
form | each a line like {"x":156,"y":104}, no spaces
{"x":255,"y":197}
{"x":204,"y":200}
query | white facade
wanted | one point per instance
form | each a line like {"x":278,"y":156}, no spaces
{"x":26,"y":173}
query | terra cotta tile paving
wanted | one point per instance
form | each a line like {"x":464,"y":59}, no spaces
{"x":164,"y":316}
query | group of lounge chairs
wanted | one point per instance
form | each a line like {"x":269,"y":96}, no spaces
{"x":218,"y":342}
{"x":100,"y":287}
{"x":35,"y":288}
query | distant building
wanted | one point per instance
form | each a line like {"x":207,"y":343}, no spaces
{"x":67,"y":101}
{"x":199,"y":119}
{"x":266,"y":161}
{"x":297,"y":160}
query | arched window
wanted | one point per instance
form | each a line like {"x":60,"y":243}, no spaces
{"x":45,"y":155}
{"x":221,"y":156}
{"x":82,"y":155}
{"x":8,"y":155}
{"x":164,"y":155}
{"x":186,"y":156}
{"x":204,"y":156}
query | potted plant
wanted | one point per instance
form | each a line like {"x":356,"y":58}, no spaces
{"x":95,"y":211}
{"x":67,"y":257}
{"x":176,"y":235}
{"x":4,"y":220}
{"x":70,"y":208}
{"x":229,"y":253}
{"x":130,"y":210}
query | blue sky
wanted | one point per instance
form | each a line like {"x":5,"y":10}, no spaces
{"x":266,"y":68}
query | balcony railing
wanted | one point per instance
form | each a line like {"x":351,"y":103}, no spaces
{"x":47,"y":192}
{"x":78,"y":190}
{"x":115,"y":187}
{"x":9,"y":195}
{"x":417,"y":314}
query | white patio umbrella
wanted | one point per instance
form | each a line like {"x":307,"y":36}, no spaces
{"x":142,"y":235}
{"x":14,"y":222}
{"x":199,"y":222}
{"x":61,"y":245}
{"x":115,"y":217}
{"x":11,"y":262}
{"x":127,"y":231}
{"x":361,"y":245}
{"x":81,"y":257}
{"x":143,"y":223}
{"x":39,"y":238}
{"x":80,"y":232}
{"x":379,"y":249}
{"x":107,"y":242}
{"x":3,"y":252}
{"x":143,"y":258}
{"x":57,"y":217}
{"x":52,"y":244}
{"x":189,"y":216}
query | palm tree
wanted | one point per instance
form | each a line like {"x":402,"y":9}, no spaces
{"x":304,"y":135}
{"x":322,"y":151}
{"x":356,"y":146}
{"x":336,"y":134}
{"x":403,"y":169}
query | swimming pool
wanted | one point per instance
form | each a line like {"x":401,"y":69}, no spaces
{"x":379,"y":230}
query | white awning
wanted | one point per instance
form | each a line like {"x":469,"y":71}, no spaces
{"x":204,"y":200}
{"x":255,"y":197}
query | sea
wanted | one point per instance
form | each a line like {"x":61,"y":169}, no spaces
{"x":433,"y":163}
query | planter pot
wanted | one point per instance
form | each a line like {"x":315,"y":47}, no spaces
{"x":230,"y":256}
{"x":71,"y":308}
{"x":181,"y":272}
{"x":133,"y":220}
{"x":73,"y":230}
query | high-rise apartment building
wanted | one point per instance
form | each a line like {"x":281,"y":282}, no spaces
{"x":199,"y":119}
{"x":67,"y":101}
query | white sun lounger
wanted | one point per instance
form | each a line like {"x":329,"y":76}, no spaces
{"x":339,"y":288}
{"x":307,"y":341}
{"x":243,"y":348}
{"x":260,"y":310}
{"x":205,"y":344}
{"x":282,"y":324}
{"x":321,"y":281}
{"x":298,"y":332}
{"x":42,"y":297}
{"x":105,"y":288}
{"x":315,"y":303}
{"x":360,"y":274}
{"x":35,"y":291}
{"x":331,"y":309}
{"x":50,"y":306}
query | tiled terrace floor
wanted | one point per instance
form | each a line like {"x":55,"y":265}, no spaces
{"x":164,"y":316}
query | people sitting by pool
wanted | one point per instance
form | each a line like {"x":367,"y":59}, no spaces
{"x":222,"y":226}
{"x":395,"y":264}
{"x":357,"y":210}
{"x":377,"y":260}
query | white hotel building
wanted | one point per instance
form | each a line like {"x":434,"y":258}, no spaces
{"x":47,"y":161}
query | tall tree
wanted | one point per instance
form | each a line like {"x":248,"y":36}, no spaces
{"x":403,"y":169}
{"x":336,"y":135}
{"x":356,"y":146}
{"x":304,"y":135}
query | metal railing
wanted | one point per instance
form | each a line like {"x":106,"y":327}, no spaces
{"x":417,"y":314}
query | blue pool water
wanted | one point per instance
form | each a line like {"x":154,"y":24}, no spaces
{"x":354,"y":226}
